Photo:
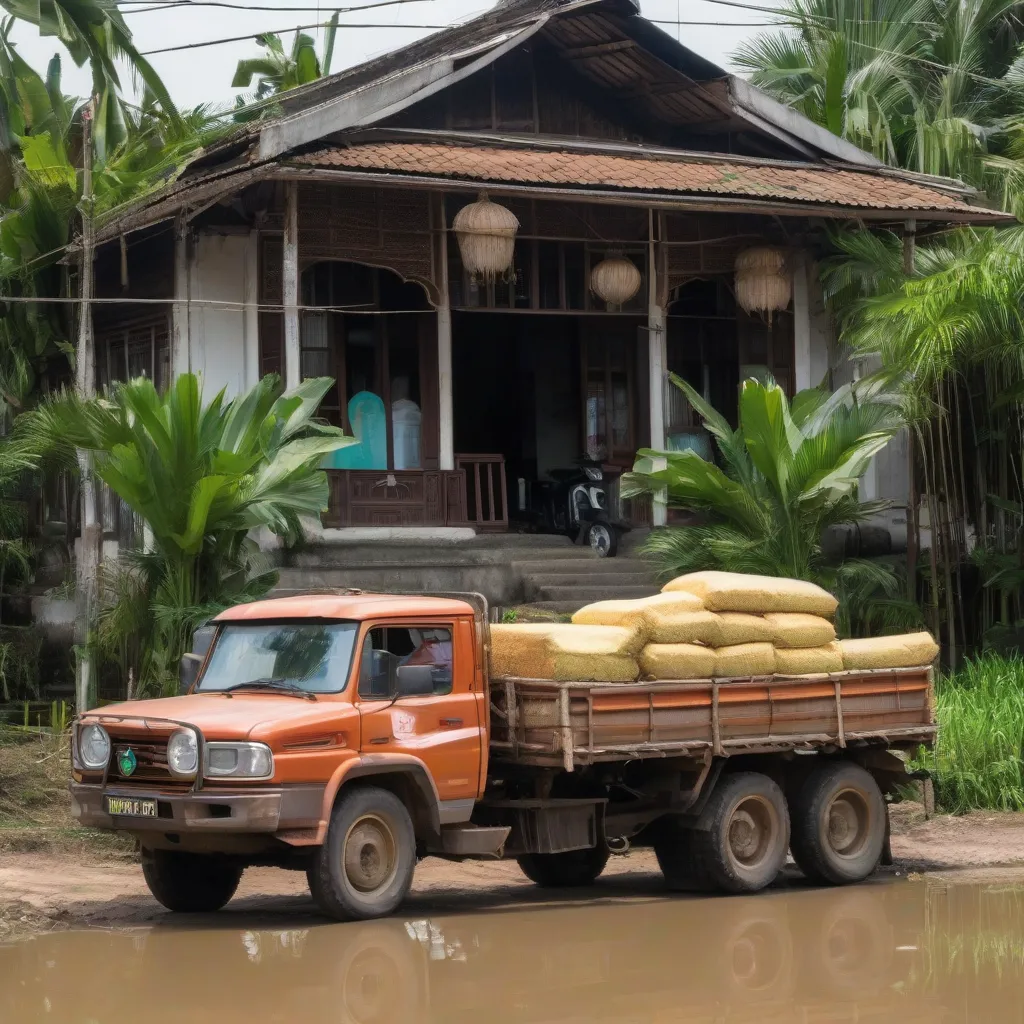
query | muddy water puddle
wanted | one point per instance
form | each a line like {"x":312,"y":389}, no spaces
{"x":904,"y":951}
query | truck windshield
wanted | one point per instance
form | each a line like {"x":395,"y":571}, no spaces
{"x":315,"y":657}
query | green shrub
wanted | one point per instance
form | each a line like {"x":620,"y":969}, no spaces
{"x":977,"y":760}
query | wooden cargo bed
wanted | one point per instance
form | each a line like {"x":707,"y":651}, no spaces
{"x":569,"y":724}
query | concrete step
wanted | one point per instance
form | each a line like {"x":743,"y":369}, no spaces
{"x":590,"y":579}
{"x":582,"y":566}
{"x":587,"y":594}
{"x":359,"y":555}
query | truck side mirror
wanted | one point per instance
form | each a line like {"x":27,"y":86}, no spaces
{"x":188,"y":672}
{"x":414,"y":680}
{"x":202,"y":639}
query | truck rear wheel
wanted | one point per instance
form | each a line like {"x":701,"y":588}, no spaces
{"x":364,"y":868}
{"x":839,"y":824}
{"x":740,"y":840}
{"x":564,"y":870}
{"x":189,"y":883}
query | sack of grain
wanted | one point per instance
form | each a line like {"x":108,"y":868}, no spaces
{"x":673,"y":619}
{"x":677,"y":661}
{"x":908,"y":651}
{"x":798,"y":629}
{"x":802,"y":661}
{"x":744,"y":660}
{"x":565,"y":652}
{"x":634,"y":614}
{"x":737,"y":592}
{"x":742,"y":628}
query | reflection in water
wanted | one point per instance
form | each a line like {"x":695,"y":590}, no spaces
{"x":911,"y":951}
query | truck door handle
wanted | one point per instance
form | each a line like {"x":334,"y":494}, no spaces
{"x":451,"y":721}
{"x":381,"y":739}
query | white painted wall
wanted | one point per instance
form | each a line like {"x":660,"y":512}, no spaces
{"x":219,"y":349}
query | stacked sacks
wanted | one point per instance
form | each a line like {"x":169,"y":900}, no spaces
{"x":566,"y":652}
{"x":703,"y":625}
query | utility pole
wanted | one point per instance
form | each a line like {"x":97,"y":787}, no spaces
{"x":91,"y":539}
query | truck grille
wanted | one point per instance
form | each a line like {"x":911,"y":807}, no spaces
{"x":150,"y":769}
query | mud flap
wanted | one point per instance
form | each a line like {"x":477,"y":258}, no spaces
{"x":886,"y":859}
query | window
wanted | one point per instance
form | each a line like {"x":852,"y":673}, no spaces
{"x":141,"y":348}
{"x":368,"y":340}
{"x":316,"y":657}
{"x":387,"y":648}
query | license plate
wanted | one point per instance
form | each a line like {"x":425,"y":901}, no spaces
{"x":130,"y":806}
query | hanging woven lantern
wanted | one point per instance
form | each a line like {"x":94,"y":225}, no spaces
{"x":487,"y":237}
{"x":615,"y":279}
{"x":763,"y":284}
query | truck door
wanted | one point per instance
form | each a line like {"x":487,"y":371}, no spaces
{"x":443,"y":728}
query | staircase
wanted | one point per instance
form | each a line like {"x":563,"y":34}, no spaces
{"x":534,"y":573}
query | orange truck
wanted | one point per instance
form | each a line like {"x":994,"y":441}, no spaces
{"x":349,"y":735}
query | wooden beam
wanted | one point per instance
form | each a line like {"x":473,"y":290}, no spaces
{"x":598,"y":49}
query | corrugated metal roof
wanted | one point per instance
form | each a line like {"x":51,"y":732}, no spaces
{"x":827,"y":186}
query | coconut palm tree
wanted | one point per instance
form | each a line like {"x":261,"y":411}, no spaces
{"x":202,"y":477}
{"x":930,"y":85}
{"x":787,"y":474}
{"x":277,"y":71}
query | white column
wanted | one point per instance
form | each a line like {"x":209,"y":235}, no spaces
{"x":657,"y":361}
{"x":180,"y":354}
{"x":251,"y":328}
{"x":802,"y":324}
{"x":445,"y":402}
{"x":292,"y":367}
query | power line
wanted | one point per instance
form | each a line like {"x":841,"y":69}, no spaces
{"x":165,"y":5}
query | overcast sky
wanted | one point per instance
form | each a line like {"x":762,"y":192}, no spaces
{"x":204,"y":75}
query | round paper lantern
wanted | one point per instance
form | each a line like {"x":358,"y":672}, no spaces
{"x":615,"y":279}
{"x":487,"y":237}
{"x":763,"y":284}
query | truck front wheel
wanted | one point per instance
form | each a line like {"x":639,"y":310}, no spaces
{"x":740,"y":840}
{"x":839,"y":824}
{"x":564,"y":870}
{"x":364,"y":868}
{"x":189,"y":883}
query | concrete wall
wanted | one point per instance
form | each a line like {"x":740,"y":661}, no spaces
{"x":219,"y":344}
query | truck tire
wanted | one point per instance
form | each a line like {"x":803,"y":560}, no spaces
{"x":740,"y":841}
{"x":839,"y":824}
{"x":364,"y":868}
{"x":189,"y":883}
{"x":564,"y":870}
{"x":673,"y":846}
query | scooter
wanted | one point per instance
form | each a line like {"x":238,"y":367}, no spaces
{"x":575,"y":503}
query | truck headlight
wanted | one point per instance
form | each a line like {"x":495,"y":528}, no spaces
{"x":239,"y":761}
{"x":93,"y":747}
{"x":183,"y":754}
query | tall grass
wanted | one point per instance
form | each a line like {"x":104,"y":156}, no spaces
{"x":977,"y":759}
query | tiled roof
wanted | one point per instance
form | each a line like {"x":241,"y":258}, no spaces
{"x":643,"y":173}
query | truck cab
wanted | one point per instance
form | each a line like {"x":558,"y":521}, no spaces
{"x":340,"y":735}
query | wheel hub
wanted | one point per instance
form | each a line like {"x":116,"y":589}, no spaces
{"x":370,"y":854}
{"x":750,"y":832}
{"x":847,"y":824}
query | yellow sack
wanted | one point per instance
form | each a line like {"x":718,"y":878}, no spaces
{"x":565,"y":652}
{"x":798,"y":629}
{"x":679,"y":619}
{"x":908,"y":651}
{"x":744,"y":660}
{"x":677,"y":661}
{"x":643,"y":613}
{"x":805,"y":661}
{"x":738,"y":592}
{"x":742,"y":628}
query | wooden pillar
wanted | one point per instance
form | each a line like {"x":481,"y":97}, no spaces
{"x":801,"y":324}
{"x":657,"y":349}
{"x":251,"y":328}
{"x":292,"y":365}
{"x":445,"y":401}
{"x":180,"y":354}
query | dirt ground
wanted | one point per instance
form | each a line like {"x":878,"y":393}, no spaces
{"x":103,"y":888}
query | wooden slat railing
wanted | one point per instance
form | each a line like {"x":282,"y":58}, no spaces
{"x":486,"y":490}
